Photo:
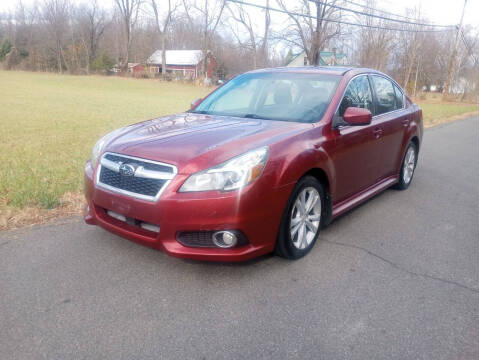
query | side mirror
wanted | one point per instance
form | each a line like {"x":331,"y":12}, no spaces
{"x":195,"y":103}
{"x":357,"y":116}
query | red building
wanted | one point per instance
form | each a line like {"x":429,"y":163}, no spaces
{"x":136,"y":68}
{"x":184,"y":63}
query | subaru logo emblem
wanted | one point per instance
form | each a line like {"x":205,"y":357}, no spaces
{"x":127,"y":169}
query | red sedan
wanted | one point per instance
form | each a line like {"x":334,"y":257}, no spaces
{"x":260,"y":165}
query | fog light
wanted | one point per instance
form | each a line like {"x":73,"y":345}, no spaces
{"x":225,"y":239}
{"x":116,"y":215}
{"x":150,"y":227}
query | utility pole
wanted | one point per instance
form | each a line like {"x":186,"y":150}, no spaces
{"x":450,"y":69}
{"x":415,"y":80}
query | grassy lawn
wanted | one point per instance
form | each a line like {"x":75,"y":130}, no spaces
{"x":433,"y":112}
{"x":50,"y":122}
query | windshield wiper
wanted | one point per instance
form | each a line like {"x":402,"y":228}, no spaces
{"x":254,"y":116}
{"x":199,"y":112}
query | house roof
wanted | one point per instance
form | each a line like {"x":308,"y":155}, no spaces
{"x":176,"y":57}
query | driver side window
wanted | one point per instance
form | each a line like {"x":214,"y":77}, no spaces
{"x":357,"y":94}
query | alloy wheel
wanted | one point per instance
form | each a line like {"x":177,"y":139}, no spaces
{"x":409,"y":164}
{"x":305,"y":218}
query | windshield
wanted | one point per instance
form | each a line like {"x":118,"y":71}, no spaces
{"x":274,"y":96}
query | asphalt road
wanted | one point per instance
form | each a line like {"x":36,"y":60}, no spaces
{"x":397,"y":278}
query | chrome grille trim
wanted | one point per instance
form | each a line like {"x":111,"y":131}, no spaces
{"x":150,"y":174}
{"x":140,"y":172}
{"x":110,"y":164}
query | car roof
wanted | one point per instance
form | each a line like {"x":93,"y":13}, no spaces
{"x":332,"y":70}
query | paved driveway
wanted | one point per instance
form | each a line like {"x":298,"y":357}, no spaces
{"x":397,"y":278}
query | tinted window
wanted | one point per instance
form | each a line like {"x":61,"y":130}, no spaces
{"x":357,"y":94}
{"x":399,"y":98}
{"x":386,"y":97}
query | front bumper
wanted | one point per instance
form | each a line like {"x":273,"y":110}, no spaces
{"x":255,"y":210}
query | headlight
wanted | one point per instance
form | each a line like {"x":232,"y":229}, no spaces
{"x":230,"y":175}
{"x":100,"y":146}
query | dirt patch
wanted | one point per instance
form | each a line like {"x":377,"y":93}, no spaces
{"x":13,"y":218}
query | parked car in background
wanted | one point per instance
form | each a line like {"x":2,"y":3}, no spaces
{"x":259,"y":165}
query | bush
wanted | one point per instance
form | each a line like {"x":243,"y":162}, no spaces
{"x":102,"y":63}
{"x":5,"y":48}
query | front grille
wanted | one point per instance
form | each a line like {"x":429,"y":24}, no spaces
{"x":146,"y":179}
{"x":143,"y":186}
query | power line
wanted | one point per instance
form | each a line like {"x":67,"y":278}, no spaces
{"x":379,"y":16}
{"x":364,"y":6}
{"x":332,"y":20}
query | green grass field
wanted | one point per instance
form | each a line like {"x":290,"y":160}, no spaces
{"x":50,"y":122}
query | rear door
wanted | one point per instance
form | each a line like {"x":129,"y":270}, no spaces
{"x":356,"y":153}
{"x":392,"y":118}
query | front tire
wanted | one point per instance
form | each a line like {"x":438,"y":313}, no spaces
{"x":407,"y":167}
{"x":302,"y":219}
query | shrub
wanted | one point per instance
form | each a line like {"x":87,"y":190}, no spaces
{"x":102,"y":63}
{"x":5,"y":48}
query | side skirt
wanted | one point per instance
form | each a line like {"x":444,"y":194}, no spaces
{"x":348,"y":204}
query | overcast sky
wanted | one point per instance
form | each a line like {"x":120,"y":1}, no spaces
{"x":438,"y":11}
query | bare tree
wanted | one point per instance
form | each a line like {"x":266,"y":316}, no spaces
{"x":26,"y":34}
{"x":55,"y":35}
{"x":56,"y":16}
{"x":210,"y":12}
{"x":374,"y":45}
{"x":129,"y":16}
{"x":409,"y":43}
{"x":311,"y":31}
{"x":257,"y":45}
{"x":161,"y":28}
{"x":92,"y":22}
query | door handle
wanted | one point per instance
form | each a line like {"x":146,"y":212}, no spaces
{"x":378,"y":132}
{"x":405,"y":122}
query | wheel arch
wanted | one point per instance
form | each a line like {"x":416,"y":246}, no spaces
{"x":322,"y":177}
{"x":415,"y":141}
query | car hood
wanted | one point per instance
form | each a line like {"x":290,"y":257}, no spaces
{"x":193,"y":142}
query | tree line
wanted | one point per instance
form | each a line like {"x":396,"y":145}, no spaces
{"x":91,"y":37}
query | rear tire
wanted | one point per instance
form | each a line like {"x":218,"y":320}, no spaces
{"x":407,"y":167}
{"x":302,"y":219}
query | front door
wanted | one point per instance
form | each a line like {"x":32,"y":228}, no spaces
{"x":356,"y":153}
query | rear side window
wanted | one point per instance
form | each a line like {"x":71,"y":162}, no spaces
{"x":399,"y":98}
{"x":386,"y":97}
{"x":357,"y":94}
